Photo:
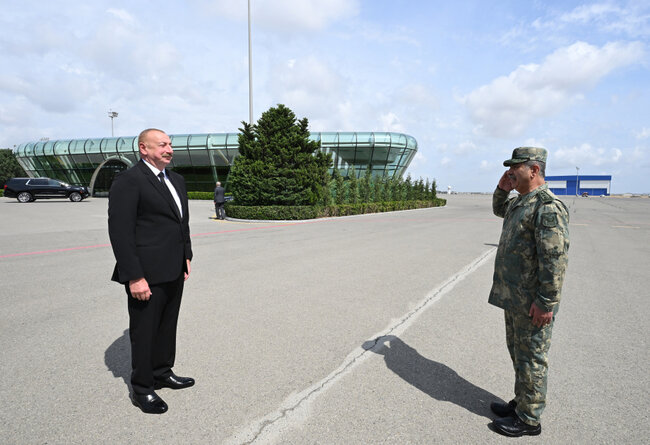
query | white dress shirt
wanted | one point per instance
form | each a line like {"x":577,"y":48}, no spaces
{"x":169,"y":185}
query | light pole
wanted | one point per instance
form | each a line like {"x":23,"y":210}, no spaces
{"x":250,"y":69}
{"x":577,"y":180}
{"x":112,"y":114}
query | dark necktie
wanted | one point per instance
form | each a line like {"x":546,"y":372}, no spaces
{"x":161,"y":176}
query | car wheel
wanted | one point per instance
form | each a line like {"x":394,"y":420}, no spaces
{"x":75,"y":197}
{"x":24,"y":197}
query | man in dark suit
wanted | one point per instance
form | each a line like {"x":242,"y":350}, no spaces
{"x":219,"y":201}
{"x":148,"y":224}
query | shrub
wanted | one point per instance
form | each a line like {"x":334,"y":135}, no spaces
{"x":272,"y":212}
{"x":207,"y":196}
{"x":311,"y":212}
{"x":278,"y":164}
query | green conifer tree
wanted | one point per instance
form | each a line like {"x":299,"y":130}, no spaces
{"x":407,"y":193}
{"x":328,"y":195}
{"x":419,"y":189}
{"x":9,"y":166}
{"x":376,"y":189}
{"x":395,"y":189}
{"x":353,"y":186}
{"x":385,"y":188}
{"x":339,"y":187}
{"x":278,"y":163}
{"x":366,"y":186}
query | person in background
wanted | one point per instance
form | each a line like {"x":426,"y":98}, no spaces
{"x":219,"y":201}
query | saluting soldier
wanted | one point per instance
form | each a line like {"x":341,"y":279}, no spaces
{"x":529,"y":270}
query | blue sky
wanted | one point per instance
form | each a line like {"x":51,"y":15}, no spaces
{"x":470,"y":80}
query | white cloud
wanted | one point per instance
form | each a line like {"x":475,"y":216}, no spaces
{"x":418,"y":160}
{"x":486,"y":165}
{"x":588,"y":13}
{"x":60,"y":92}
{"x":532,"y":142}
{"x":465,"y":148}
{"x":586,"y":155}
{"x":644,"y":133}
{"x":285,"y":16}
{"x":420,"y":95}
{"x":509,"y":104}
{"x":390,"y":122}
{"x":122,"y":47}
{"x":121,"y":14}
{"x":383,"y":35}
{"x":632,"y":20}
{"x":310,"y":87}
{"x":314,"y":87}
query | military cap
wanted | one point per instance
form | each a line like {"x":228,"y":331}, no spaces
{"x":524,"y":154}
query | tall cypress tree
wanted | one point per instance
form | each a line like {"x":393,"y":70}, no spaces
{"x":339,"y":187}
{"x":278,"y":164}
{"x":376,"y":189}
{"x":366,"y":185}
{"x":9,"y":166}
{"x":353,"y":186}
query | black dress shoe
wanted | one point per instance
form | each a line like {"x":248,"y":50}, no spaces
{"x":515,"y":427}
{"x":504,"y":409}
{"x":149,"y":403}
{"x":174,"y":382}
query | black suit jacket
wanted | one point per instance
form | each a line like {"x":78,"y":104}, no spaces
{"x":219,"y":195}
{"x":149,"y":237}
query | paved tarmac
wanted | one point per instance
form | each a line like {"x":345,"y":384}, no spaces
{"x":371,"y":329}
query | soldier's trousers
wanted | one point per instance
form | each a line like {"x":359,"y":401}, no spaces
{"x":528,"y":346}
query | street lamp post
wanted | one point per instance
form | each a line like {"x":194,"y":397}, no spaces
{"x":577,"y":181}
{"x":112,"y":114}
{"x":250,"y":69}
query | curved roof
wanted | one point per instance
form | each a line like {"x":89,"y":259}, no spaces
{"x":207,"y":140}
{"x":387,"y":153}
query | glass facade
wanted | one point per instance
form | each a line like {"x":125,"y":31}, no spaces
{"x":203,"y":159}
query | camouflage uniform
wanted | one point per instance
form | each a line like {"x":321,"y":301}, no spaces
{"x":530,"y":264}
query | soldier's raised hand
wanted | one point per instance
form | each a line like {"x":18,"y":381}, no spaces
{"x":505,"y":183}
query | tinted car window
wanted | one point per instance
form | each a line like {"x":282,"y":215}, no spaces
{"x":31,"y":189}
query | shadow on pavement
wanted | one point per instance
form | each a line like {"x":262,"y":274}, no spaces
{"x":118,"y":358}
{"x":433,"y":378}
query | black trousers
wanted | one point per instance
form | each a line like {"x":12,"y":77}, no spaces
{"x":219,"y":210}
{"x":152,"y":329}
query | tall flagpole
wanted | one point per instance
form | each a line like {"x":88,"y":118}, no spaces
{"x":250,"y":69}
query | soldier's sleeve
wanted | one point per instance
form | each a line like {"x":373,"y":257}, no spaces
{"x":552,"y":240}
{"x":500,"y":202}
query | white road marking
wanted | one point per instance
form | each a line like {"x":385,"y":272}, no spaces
{"x":296,"y":408}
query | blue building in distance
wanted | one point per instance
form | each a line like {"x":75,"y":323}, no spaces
{"x":578,"y":184}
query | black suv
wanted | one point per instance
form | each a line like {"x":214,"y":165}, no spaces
{"x":30,"y":189}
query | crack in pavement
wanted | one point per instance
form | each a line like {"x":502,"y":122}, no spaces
{"x":269,"y":427}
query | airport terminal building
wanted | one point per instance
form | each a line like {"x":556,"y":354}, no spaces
{"x":592,"y":185}
{"x":203,"y":159}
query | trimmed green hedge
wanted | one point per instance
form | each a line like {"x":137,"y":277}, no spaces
{"x":311,"y":212}
{"x":207,"y":196}
{"x":271,"y":212}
